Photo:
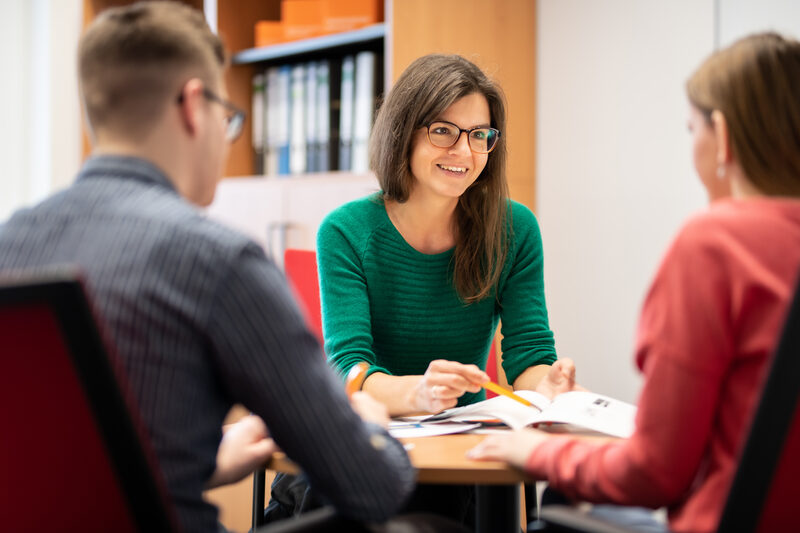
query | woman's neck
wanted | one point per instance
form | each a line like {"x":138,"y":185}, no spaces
{"x":742,"y":188}
{"x":426,"y":224}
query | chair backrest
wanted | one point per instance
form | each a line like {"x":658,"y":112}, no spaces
{"x":762,"y":496}
{"x":71,"y":458}
{"x":491,"y":368}
{"x":301,"y":270}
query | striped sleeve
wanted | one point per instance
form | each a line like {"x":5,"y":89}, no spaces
{"x":274,"y":366}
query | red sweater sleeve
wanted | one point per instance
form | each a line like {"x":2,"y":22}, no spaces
{"x":682,"y":349}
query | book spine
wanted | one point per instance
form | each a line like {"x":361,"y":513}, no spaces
{"x":283,"y":118}
{"x":364,"y":106}
{"x":271,"y":121}
{"x":312,"y":141}
{"x":323,"y":124}
{"x":257,"y":122}
{"x":297,"y":133}
{"x":346,"y":114}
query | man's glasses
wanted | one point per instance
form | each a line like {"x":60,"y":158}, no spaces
{"x":234,"y":119}
{"x":445,"y":134}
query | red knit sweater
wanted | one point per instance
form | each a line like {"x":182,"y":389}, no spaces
{"x":709,"y":323}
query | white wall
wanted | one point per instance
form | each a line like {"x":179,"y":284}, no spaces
{"x":14,"y":128}
{"x":55,"y":109}
{"x":614,"y":175}
{"x":741,"y":17}
{"x":40,"y":144}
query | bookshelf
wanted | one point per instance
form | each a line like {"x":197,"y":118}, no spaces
{"x":318,"y":45}
{"x":498,"y":36}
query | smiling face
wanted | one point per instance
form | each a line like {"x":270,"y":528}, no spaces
{"x":448,"y":172}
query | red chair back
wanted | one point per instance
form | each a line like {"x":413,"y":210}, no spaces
{"x":301,"y":270}
{"x":491,"y":369}
{"x":70,"y":455}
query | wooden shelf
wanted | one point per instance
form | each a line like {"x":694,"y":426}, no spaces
{"x":506,"y":50}
{"x":363,"y":36}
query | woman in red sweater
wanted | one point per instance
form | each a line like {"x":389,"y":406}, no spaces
{"x":714,"y":311}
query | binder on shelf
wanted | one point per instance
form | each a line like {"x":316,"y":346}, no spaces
{"x":268,"y":32}
{"x":346,"y":114}
{"x":257,"y":122}
{"x":346,"y":15}
{"x":311,"y":115}
{"x":271,"y":123}
{"x":323,"y":163}
{"x":297,"y":126}
{"x":301,"y":19}
{"x":283,"y":117}
{"x":363,"y":109}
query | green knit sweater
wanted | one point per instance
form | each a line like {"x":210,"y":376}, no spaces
{"x":387,"y":304}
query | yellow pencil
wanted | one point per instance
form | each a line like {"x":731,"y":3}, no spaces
{"x":494,"y":387}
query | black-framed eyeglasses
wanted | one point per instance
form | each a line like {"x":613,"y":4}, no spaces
{"x":234,"y":118}
{"x":445,"y":134}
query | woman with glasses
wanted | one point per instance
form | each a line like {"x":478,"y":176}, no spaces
{"x":414,"y":279}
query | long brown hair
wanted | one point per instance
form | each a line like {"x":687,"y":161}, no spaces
{"x":429,"y":86}
{"x":755,"y":84}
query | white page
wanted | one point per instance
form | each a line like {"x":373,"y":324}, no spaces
{"x":583,"y":411}
{"x":399,"y":429}
{"x":513,"y":413}
{"x":590,"y":411}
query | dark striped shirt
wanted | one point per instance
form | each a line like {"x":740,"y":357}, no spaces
{"x":202,"y":320}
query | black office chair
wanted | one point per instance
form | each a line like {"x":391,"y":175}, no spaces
{"x":761,"y":497}
{"x":72,"y":457}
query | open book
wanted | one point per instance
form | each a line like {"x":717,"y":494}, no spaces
{"x":575,"y":411}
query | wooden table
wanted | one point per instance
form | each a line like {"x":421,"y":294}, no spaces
{"x":442,"y":460}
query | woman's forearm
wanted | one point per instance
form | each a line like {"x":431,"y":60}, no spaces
{"x":397,"y":393}
{"x":530,"y":377}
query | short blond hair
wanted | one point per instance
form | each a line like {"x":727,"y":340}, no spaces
{"x":133,"y":60}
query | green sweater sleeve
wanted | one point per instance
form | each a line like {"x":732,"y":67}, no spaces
{"x":346,"y":319}
{"x":527,"y":338}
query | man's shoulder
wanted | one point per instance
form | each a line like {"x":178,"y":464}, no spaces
{"x":135,"y":211}
{"x":176,"y":219}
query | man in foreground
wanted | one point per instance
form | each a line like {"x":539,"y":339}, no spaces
{"x":199,"y":317}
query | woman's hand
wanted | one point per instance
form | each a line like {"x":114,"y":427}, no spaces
{"x":245,"y":446}
{"x":513,"y":447}
{"x":559,"y":378}
{"x":443,"y":383}
{"x":369,"y":409}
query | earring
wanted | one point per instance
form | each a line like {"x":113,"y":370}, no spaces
{"x":721,"y":172}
